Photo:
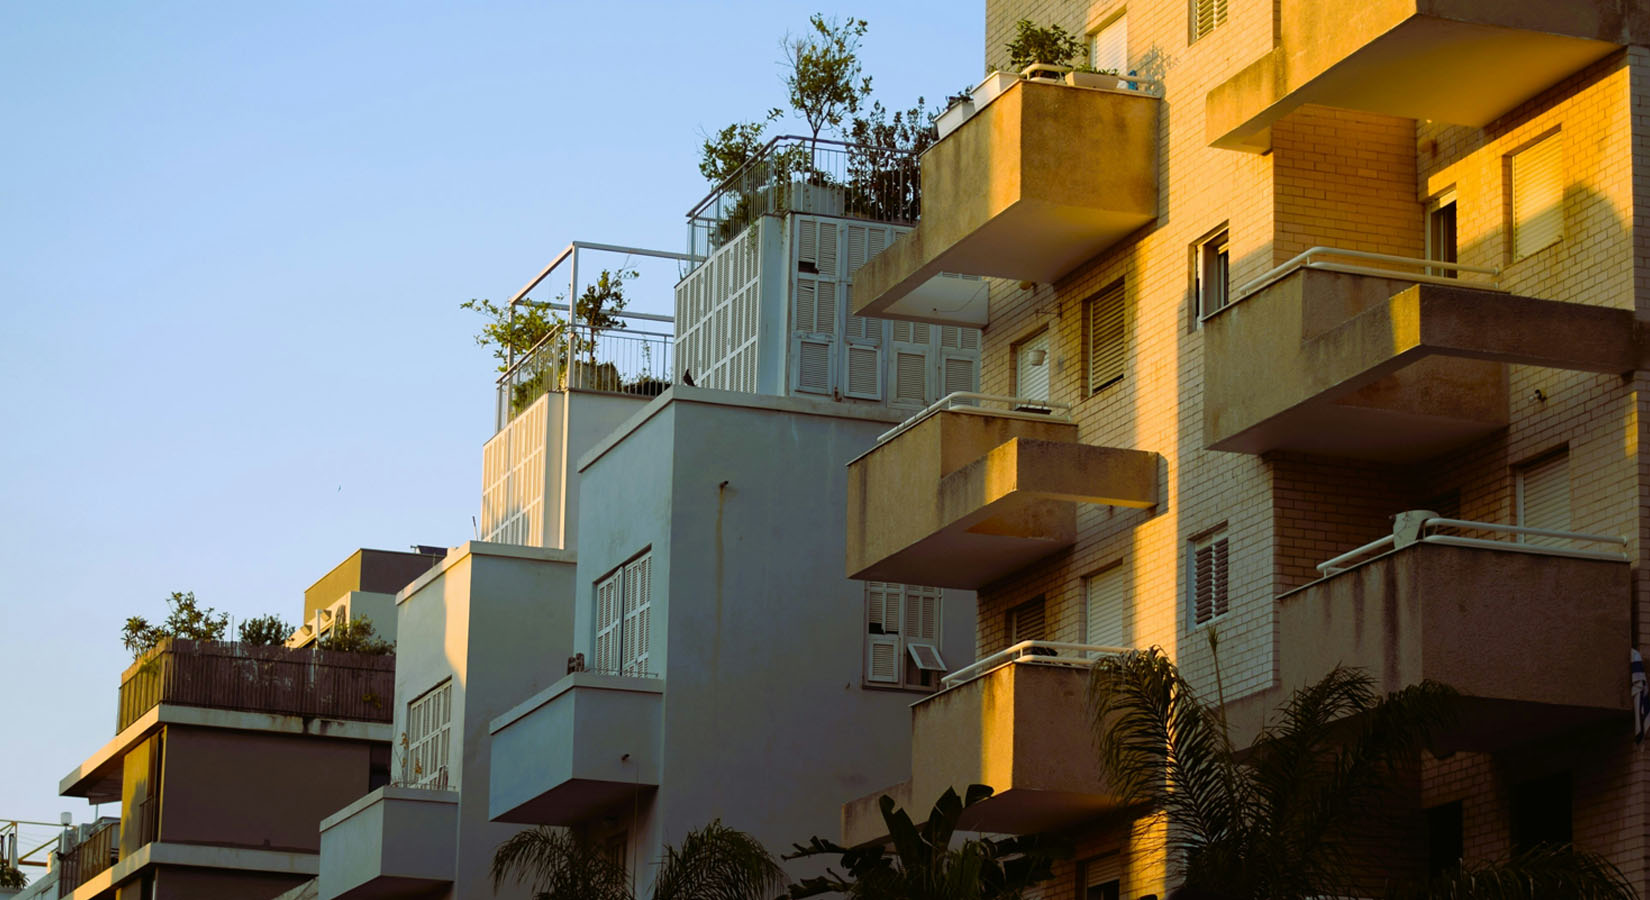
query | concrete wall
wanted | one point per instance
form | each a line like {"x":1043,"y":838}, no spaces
{"x":757,"y":634}
{"x":377,"y":571}
{"x":496,"y":619}
{"x":174,"y":883}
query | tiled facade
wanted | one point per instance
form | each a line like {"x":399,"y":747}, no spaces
{"x":1363,"y":181}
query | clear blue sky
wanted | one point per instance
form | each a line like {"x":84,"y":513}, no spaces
{"x":233,"y":239}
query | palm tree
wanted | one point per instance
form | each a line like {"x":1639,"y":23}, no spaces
{"x":924,"y":865}
{"x":1292,"y":816}
{"x":713,"y":863}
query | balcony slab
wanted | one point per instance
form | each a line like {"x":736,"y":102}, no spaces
{"x":394,"y":842}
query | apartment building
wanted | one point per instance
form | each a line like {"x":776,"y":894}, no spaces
{"x":1301,"y":268}
{"x":226,"y":756}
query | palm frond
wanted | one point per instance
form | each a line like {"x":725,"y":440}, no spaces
{"x":555,"y":865}
{"x":1546,"y":871}
{"x":718,"y":863}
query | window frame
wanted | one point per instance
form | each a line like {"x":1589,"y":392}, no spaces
{"x":1219,"y":13}
{"x":1118,"y":17}
{"x":1219,"y":535}
{"x":1550,"y":142}
{"x":1435,"y":211}
{"x":912,"y":671}
{"x":1215,"y":249}
{"x":438,"y":738}
{"x":624,"y":662}
{"x":1020,"y":347}
{"x":1117,"y":290}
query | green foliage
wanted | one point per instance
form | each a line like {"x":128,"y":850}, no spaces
{"x":1292,"y":816}
{"x":713,"y":863}
{"x":925,"y":866}
{"x":825,"y":81}
{"x":513,"y":336}
{"x":185,"y":619}
{"x":1035,"y":44}
{"x":729,"y":150}
{"x":355,"y":635}
{"x":12,"y":878}
{"x":1537,"y":874}
{"x":519,"y":333}
{"x":265,"y":631}
{"x":882,"y":178}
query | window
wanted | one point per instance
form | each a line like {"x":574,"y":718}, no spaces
{"x":1104,"y":340}
{"x":1026,"y":622}
{"x":1102,"y":877}
{"x":1206,"y":16}
{"x":429,"y":731}
{"x":1441,"y":243}
{"x":1543,"y":497}
{"x":624,"y":614}
{"x":902,"y":635}
{"x":1541,"y":812}
{"x":1106,"y":596}
{"x":1537,"y":176}
{"x":1207,"y":576}
{"x":1444,"y":838}
{"x":1213,"y":270}
{"x":1109,"y":47}
{"x":1031,"y":366}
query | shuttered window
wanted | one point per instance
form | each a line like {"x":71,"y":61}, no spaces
{"x":1106,"y":342}
{"x":624,"y":619}
{"x":429,"y":735}
{"x":609,"y":617}
{"x":864,"y":372}
{"x":813,"y":366}
{"x":1026,"y":622}
{"x":1538,"y":196}
{"x":1031,"y":366}
{"x":910,"y":377}
{"x":1207,"y":581}
{"x":1206,"y":16}
{"x":960,"y":374}
{"x":1106,"y":594}
{"x":1109,"y":47}
{"x":1544,"y":498}
{"x":902,"y":642}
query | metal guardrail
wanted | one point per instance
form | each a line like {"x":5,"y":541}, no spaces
{"x":93,"y":854}
{"x":797,"y":173}
{"x":1356,"y":557}
{"x":1042,"y":653}
{"x":574,"y":356}
{"x":329,"y":684}
{"x":1013,"y":408}
{"x":1392,"y":266}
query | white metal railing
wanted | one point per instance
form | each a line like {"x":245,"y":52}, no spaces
{"x":576,"y":356}
{"x":1129,"y":82}
{"x":1353,"y":558}
{"x":1042,"y":653}
{"x":1408,"y":268}
{"x":1013,"y":408}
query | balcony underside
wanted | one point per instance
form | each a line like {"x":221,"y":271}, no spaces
{"x":1464,"y":62}
{"x":962,"y":498}
{"x":1382,"y":368}
{"x":1042,"y":179}
{"x":1534,"y":644}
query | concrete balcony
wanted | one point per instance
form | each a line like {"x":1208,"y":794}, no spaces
{"x":394,"y":842}
{"x":1373,"y":363}
{"x":1534,"y":637}
{"x":1015,"y":721}
{"x":959,"y":496}
{"x":1446,"y":60}
{"x":587,"y":742}
{"x":1040,"y":179}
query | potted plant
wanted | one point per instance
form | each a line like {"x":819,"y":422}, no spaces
{"x":1090,"y":77}
{"x":1042,"y":52}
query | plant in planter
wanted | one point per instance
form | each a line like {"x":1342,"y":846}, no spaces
{"x":1036,"y":45}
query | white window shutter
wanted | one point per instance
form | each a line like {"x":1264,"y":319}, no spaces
{"x":807,"y":240}
{"x":960,"y":374}
{"x":807,"y":305}
{"x":607,"y":623}
{"x":1110,"y":48}
{"x":1106,"y":595}
{"x":1209,"y":578}
{"x":828,"y":251}
{"x":910,"y":378}
{"x":854,"y":237}
{"x":1107,"y":347}
{"x":638,"y":592}
{"x":1032,"y":363}
{"x":1538,"y":196}
{"x":882,"y":659}
{"x":864,"y":372}
{"x":813,"y":365}
{"x":922,"y":613}
{"x":825,"y":316}
{"x":1544,"y":498}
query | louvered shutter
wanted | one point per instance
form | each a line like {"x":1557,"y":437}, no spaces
{"x":1106,"y":596}
{"x":882,"y":607}
{"x":828,"y":251}
{"x":607,"y":623}
{"x":1026,"y":622}
{"x":864,"y":372}
{"x":1209,"y":592}
{"x":812,"y":373}
{"x":1207,"y":15}
{"x":807,"y":241}
{"x":882,"y":659}
{"x":1031,"y":367}
{"x":1544,"y":498}
{"x":959,"y":374}
{"x":1110,"y":47}
{"x":909,"y":353}
{"x":1538,"y":196}
{"x":1107,"y":341}
{"x":805,"y":313}
{"x":922,"y":613}
{"x":638,"y":614}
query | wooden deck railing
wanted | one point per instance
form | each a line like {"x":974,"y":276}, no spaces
{"x":89,"y":857}
{"x":325,"y":684}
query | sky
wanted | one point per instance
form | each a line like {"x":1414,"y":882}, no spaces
{"x":233,"y":241}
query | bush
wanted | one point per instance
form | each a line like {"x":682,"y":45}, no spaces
{"x":1035,"y":44}
{"x":355,"y":636}
{"x":265,"y":631}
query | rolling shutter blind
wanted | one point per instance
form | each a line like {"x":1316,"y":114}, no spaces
{"x":1110,"y":49}
{"x":607,"y":623}
{"x":1538,"y":196}
{"x":1544,"y":498}
{"x":1106,"y":598}
{"x":1107,"y":349}
{"x":1031,"y":366}
{"x":638,"y":615}
{"x":1207,"y":15}
{"x":1026,"y":622}
{"x":1209,"y":593}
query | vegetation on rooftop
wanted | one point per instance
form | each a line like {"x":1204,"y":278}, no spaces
{"x":12,"y":878}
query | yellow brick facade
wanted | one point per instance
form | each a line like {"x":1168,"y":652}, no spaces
{"x":1355,"y":180}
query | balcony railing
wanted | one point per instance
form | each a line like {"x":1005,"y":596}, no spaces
{"x":795,"y":173}
{"x":1363,"y":262}
{"x":1041,"y":653}
{"x":1441,"y":530}
{"x":1007,"y":407}
{"x":576,"y":356}
{"x":320,"y":683}
{"x":93,"y":854}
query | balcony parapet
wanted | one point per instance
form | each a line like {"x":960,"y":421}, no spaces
{"x":1535,"y":637}
{"x":1384,"y":357}
{"x":1042,"y":177}
{"x":961,"y":494}
{"x":1444,"y":60}
{"x":395,"y":841}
